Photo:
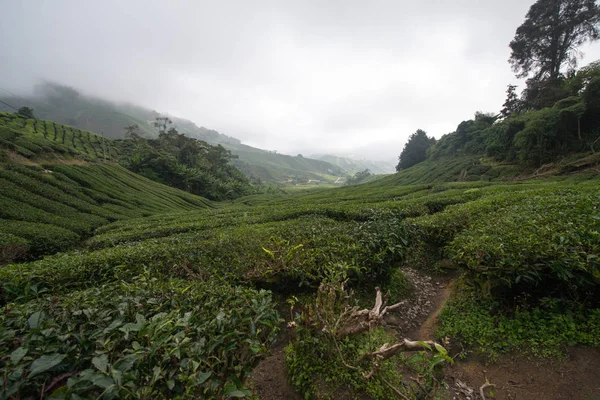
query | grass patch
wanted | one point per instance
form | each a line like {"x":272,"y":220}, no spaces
{"x":489,"y":327}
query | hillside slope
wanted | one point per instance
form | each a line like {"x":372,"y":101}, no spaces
{"x":53,"y":194}
{"x":282,"y":167}
{"x":65,"y":105}
{"x":356,"y":165}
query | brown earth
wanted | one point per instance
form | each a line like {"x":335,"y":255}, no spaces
{"x":269,"y":378}
{"x":515,"y":376}
{"x":577,"y":377}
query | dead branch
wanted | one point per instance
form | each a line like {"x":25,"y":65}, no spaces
{"x":486,"y":385}
{"x":386,"y":351}
{"x":335,"y":317}
{"x":356,"y":321}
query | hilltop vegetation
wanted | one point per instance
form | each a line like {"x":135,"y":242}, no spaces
{"x":172,"y":158}
{"x":182,"y":162}
{"x":562,"y":120}
{"x":34,"y":138}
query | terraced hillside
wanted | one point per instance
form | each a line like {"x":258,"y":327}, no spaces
{"x":271,"y":166}
{"x":52,"y":194}
{"x":172,"y":304}
{"x":35,"y":139}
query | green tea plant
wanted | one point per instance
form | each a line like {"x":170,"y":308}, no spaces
{"x":546,"y":244}
{"x":146,"y":339}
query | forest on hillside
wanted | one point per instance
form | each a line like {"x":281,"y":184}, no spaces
{"x":558,"y":111}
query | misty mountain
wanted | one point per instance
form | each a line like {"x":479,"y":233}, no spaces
{"x":67,"y":106}
{"x":354,"y":165}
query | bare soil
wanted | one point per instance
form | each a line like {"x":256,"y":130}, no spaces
{"x":270,"y":379}
{"x":515,"y":376}
{"x":520,"y":378}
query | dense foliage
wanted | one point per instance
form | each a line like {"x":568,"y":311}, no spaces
{"x":145,"y":339}
{"x":550,"y":121}
{"x":183,"y":162}
{"x":359,"y":177}
{"x":415,"y":150}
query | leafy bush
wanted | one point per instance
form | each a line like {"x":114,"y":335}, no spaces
{"x":146,"y":339}
{"x":544,"y":330}
{"x":42,"y":238}
{"x":545,"y":244}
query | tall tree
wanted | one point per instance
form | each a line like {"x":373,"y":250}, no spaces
{"x":551,"y":35}
{"x":415,"y":150}
{"x":132,"y":131}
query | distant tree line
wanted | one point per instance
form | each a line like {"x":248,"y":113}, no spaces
{"x":182,"y":162}
{"x":557,"y":113}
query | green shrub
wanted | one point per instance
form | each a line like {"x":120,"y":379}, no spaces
{"x":544,"y":243}
{"x":486,"y":326}
{"x":42,"y":238}
{"x":146,"y":339}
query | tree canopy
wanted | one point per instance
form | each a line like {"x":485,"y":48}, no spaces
{"x":183,"y":162}
{"x":551,"y":35}
{"x":415,"y":150}
{"x":27,"y":112}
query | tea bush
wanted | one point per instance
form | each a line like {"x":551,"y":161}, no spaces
{"x":41,"y":238}
{"x":81,"y":199}
{"x":146,"y":339}
{"x":12,"y":247}
{"x":543,"y":243}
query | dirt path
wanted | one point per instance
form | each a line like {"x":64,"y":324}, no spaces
{"x":269,"y":378}
{"x":517,"y":377}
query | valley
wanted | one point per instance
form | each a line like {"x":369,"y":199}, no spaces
{"x":401,"y":234}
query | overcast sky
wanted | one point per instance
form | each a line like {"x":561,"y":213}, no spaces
{"x":345,"y":77}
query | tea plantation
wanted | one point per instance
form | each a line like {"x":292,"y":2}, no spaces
{"x":121,"y":287}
